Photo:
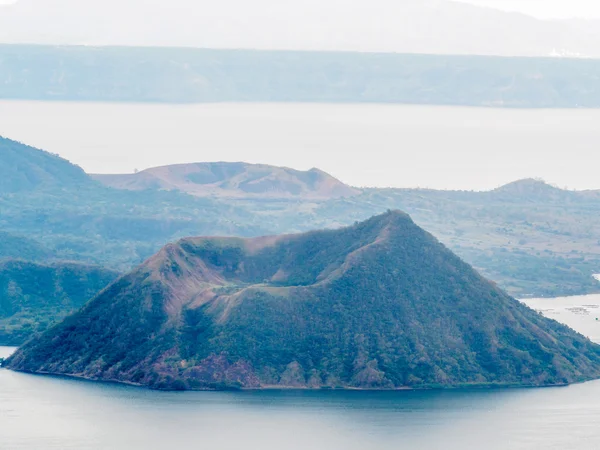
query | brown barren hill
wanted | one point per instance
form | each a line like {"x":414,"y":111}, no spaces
{"x":378,"y":305}
{"x":237,"y":180}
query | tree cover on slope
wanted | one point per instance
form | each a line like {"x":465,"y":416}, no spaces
{"x":33,"y":297}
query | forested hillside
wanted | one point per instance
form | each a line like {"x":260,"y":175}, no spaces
{"x":34,"y":297}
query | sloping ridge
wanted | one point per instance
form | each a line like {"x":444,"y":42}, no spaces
{"x":24,"y":168}
{"x":223,"y":179}
{"x":379,"y":305}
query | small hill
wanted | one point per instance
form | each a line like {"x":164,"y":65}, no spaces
{"x":24,"y":168}
{"x":531,"y":189}
{"x":34,"y":297}
{"x":592,"y":194}
{"x":377,"y":305}
{"x":238,"y":180}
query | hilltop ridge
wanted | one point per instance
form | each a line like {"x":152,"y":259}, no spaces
{"x":24,"y":168}
{"x":530,"y":188}
{"x":235,"y":180}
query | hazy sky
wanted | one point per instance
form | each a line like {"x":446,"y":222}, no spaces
{"x":546,"y":8}
{"x":539,"y":8}
{"x":404,"y":26}
{"x":363,"y":145}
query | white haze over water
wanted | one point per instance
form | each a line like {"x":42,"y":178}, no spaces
{"x":363,"y":145}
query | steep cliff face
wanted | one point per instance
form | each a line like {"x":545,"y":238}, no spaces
{"x":378,"y":305}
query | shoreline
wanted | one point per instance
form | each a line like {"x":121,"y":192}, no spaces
{"x":274,"y":388}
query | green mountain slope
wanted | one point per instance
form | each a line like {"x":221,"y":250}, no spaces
{"x":381,"y":304}
{"x":34,"y":297}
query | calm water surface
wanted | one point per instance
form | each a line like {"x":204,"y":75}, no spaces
{"x":582,"y":313}
{"x":51,"y":413}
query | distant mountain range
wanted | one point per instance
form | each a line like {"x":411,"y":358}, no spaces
{"x":186,"y":75}
{"x":379,"y":305}
{"x":233,"y":180}
{"x":531,"y":238}
{"x":403,"y":26}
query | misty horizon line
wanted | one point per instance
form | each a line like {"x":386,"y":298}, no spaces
{"x":553,"y":55}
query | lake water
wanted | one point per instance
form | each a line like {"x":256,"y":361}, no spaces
{"x":52,"y":413}
{"x":582,"y":313}
{"x":363,"y":145}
